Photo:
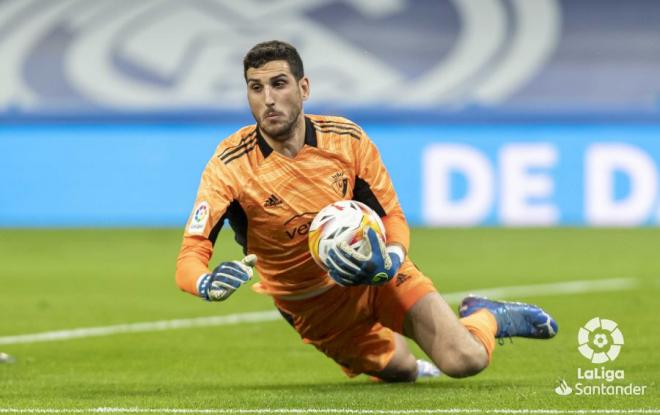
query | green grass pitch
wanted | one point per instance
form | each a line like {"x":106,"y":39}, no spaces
{"x":65,"y":279}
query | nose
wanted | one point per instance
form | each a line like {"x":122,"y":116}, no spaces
{"x":269,"y":97}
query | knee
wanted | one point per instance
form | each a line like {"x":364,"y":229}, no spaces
{"x":459,"y":363}
{"x":401,"y":376}
{"x":402,"y":371}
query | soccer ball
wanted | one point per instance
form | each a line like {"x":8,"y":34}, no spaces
{"x":345,"y":220}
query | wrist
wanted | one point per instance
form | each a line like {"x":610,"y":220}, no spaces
{"x":396,"y":256}
{"x":396,"y":250}
{"x":203,"y":285}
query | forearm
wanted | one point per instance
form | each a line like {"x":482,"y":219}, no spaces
{"x":192,"y":262}
{"x":398,"y":232}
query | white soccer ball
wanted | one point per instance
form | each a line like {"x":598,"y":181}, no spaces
{"x":345,"y":220}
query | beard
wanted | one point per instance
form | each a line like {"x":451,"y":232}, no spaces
{"x":282,"y":130}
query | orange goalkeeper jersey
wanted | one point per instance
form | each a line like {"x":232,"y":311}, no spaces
{"x":270,"y":200}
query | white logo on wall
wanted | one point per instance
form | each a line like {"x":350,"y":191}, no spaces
{"x":600,"y":340}
{"x":162,"y":55}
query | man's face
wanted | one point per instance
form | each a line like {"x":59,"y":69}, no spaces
{"x":275,"y":98}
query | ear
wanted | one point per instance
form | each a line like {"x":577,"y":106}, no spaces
{"x":303,"y":84}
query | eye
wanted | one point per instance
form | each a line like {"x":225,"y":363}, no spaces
{"x":279,"y":84}
{"x":255,"y":87}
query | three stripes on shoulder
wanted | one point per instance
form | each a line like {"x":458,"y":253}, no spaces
{"x":249,"y":142}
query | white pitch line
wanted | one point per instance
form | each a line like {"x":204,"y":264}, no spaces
{"x":517,"y":291}
{"x":324,"y":411}
{"x":148,"y":326}
{"x":569,"y":287}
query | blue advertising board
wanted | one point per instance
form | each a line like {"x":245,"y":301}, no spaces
{"x":485,"y":175}
{"x":538,"y":175}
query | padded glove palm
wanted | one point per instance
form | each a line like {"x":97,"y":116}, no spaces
{"x":375,"y":267}
{"x":226,"y":278}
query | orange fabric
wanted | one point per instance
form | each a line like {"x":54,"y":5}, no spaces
{"x":193,"y":259}
{"x":483,"y":326}
{"x":397,"y":229}
{"x":355,"y":326}
{"x":280,"y":196}
{"x":398,"y":296}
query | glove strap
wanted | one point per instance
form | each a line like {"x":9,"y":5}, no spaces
{"x":203,"y":285}
{"x":396,"y":250}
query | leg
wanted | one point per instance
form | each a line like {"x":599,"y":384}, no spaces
{"x":403,"y":365}
{"x":409,"y":304}
{"x":341,"y":325}
{"x":436,"y":329}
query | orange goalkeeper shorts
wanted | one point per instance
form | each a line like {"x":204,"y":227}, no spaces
{"x":355,"y":326}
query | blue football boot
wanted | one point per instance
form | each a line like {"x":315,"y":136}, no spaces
{"x":513,"y":319}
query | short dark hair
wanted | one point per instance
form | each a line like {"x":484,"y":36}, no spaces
{"x":274,"y":50}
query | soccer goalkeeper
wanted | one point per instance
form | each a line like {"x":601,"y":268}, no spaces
{"x":268,"y":180}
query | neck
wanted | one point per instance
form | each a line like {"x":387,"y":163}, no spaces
{"x":290,"y":144}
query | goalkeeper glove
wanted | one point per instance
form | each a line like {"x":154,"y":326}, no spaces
{"x":351,"y":267}
{"x":225,"y":279}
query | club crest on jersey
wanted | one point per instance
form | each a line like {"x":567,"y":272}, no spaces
{"x":199,"y":218}
{"x":340,"y":183}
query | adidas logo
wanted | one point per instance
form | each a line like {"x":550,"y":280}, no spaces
{"x":401,"y":278}
{"x":272,"y":201}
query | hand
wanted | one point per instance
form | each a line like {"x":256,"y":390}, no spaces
{"x":226,"y":278}
{"x":351,"y":267}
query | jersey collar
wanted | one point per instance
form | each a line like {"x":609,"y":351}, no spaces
{"x":310,"y":133}
{"x":310,"y":138}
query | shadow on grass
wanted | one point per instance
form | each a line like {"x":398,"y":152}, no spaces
{"x":367,"y":385}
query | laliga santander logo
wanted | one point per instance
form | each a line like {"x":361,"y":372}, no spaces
{"x":199,"y":219}
{"x":600,"y":340}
